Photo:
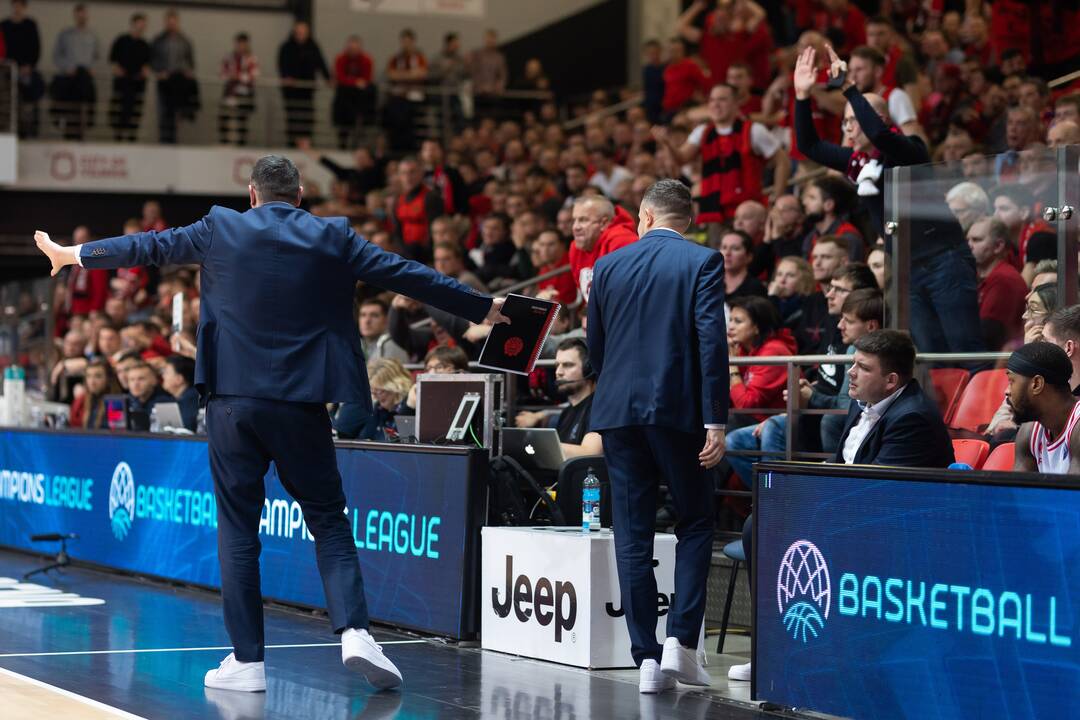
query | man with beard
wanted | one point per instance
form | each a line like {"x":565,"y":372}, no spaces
{"x":576,"y":379}
{"x":1043,"y":405}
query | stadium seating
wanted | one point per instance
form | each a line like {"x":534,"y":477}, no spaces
{"x":980,"y":400}
{"x":948,"y":384}
{"x":972,"y":452}
{"x":1001,"y":459}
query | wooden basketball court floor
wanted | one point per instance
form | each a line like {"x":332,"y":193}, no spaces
{"x":101,"y":645}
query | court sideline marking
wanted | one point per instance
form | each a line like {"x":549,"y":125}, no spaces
{"x":189,"y":649}
{"x":116,"y":712}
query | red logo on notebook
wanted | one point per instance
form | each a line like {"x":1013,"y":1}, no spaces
{"x":513,"y":347}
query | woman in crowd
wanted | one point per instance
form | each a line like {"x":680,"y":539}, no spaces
{"x":754,"y":330}
{"x":390,"y":385}
{"x":88,"y":408}
{"x":792,"y":283}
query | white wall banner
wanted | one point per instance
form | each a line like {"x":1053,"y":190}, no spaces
{"x":8,"y":145}
{"x":464,"y":8}
{"x":107,"y":167}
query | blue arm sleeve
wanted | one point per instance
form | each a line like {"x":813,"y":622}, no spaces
{"x":387,"y":270}
{"x":712,"y":341}
{"x":186,"y":245}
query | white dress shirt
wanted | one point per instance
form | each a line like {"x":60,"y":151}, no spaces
{"x":871,"y":413}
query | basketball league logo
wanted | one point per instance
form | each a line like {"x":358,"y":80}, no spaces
{"x":803,"y":592}
{"x":122,"y":500}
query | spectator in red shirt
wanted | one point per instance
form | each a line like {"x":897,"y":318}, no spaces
{"x":732,"y":32}
{"x":739,"y":77}
{"x":1013,"y":205}
{"x":87,"y":289}
{"x":881,"y":36}
{"x":151,"y":217}
{"x":354,"y":98}
{"x":684,"y":79}
{"x":599,"y":228}
{"x":754,"y":330}
{"x":552,"y":252}
{"x":843,"y":22}
{"x":1002,"y":290}
{"x":414,"y":209}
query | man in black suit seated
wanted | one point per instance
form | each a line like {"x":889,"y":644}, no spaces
{"x":893,"y":421}
{"x":143,"y":393}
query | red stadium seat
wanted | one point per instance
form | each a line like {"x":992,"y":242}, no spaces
{"x":1001,"y":460}
{"x":980,"y":400}
{"x":948,"y":384}
{"x":972,"y":452}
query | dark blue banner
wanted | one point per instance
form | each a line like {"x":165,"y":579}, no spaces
{"x":147,"y":505}
{"x":916,"y":598}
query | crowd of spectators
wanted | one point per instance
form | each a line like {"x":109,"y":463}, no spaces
{"x":784,"y":121}
{"x":166,"y":57}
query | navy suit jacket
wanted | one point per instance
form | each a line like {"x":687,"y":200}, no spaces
{"x":657,"y":335}
{"x":911,"y":433}
{"x":277,"y":288}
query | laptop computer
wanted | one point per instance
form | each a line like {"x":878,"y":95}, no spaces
{"x":406,"y":427}
{"x":168,"y":416}
{"x":538,"y":448}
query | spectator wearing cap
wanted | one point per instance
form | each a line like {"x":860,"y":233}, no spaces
{"x":1001,"y":287}
{"x":178,"y":379}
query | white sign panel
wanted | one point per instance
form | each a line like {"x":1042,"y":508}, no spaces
{"x":8,"y":145}
{"x":106,"y":167}
{"x":553,"y":594}
{"x":464,"y":8}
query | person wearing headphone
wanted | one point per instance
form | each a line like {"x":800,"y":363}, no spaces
{"x":576,"y":379}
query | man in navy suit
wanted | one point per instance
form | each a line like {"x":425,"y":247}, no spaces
{"x":276,"y":342}
{"x":894,"y":422}
{"x":657,"y":338}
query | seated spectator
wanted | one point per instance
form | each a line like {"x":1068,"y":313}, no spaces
{"x":88,"y":408}
{"x":577,"y":382}
{"x":374,"y":338}
{"x":608,"y":174}
{"x":1062,"y":328}
{"x":497,"y":259}
{"x":1014,"y":206}
{"x":754,"y":330}
{"x":143,"y":393}
{"x":738,"y":250}
{"x":894,"y":422}
{"x":106,"y":343}
{"x":68,"y":372}
{"x":178,"y":379}
{"x":878,"y":260}
{"x":390,"y":385}
{"x":1044,"y":406}
{"x":123,"y":362}
{"x":828,"y":203}
{"x":446,"y":360}
{"x":599,"y":228}
{"x":792,"y":284}
{"x":782,"y":234}
{"x":862,"y":313}
{"x":968,"y":202}
{"x":449,"y":259}
{"x":552,"y":253}
{"x":1001,"y":287}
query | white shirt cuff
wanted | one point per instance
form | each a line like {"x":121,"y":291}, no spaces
{"x":715,"y":426}
{"x":78,"y":255}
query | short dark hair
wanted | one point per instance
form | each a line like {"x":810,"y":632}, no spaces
{"x":761,"y":312}
{"x":669,"y":198}
{"x":1066,"y":320}
{"x":129,"y":355}
{"x":838,"y":240}
{"x":183,"y":366}
{"x":136,"y":17}
{"x":274,"y":177}
{"x":407,"y":33}
{"x":839,"y":191}
{"x":241,"y":37}
{"x":1015,"y":192}
{"x":870,"y":54}
{"x":450,"y":355}
{"x":866,"y":304}
{"x":859,"y":274}
{"x":893,"y":348}
{"x":575,"y":343}
{"x":377,"y":301}
{"x":744,"y":237}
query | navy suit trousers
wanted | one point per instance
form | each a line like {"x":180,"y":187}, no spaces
{"x":637,"y":457}
{"x":246,"y":435}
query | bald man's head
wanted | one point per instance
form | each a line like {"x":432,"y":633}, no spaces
{"x":1064,"y":132}
{"x":853,"y":131}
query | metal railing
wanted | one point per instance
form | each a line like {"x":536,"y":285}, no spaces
{"x":274,"y":116}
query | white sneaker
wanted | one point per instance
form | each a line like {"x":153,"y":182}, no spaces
{"x":739,"y":672}
{"x":362,"y":654}
{"x":682,"y":664}
{"x":652,"y":680}
{"x":232,"y":674}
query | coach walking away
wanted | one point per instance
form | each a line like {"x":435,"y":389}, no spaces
{"x":660,"y":408}
{"x":277,"y":341}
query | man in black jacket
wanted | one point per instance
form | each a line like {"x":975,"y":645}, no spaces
{"x":893,"y":421}
{"x":943,"y":279}
{"x":299,"y":61}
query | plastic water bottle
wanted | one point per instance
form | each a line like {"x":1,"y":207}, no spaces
{"x":155,"y":424}
{"x":14,"y":405}
{"x":590,"y":502}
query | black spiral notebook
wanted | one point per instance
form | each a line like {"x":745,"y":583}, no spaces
{"x":515,"y":347}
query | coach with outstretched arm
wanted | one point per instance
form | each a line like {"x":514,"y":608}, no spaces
{"x":276,"y":342}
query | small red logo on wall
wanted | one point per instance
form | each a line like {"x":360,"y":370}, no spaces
{"x":513,"y":347}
